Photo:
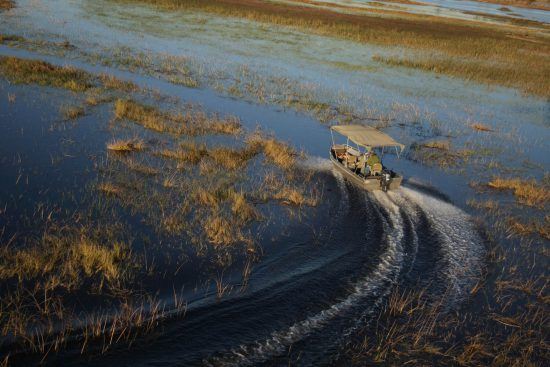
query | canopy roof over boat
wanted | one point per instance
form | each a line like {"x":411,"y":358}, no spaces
{"x":367,"y":136}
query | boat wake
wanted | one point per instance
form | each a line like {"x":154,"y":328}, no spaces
{"x":415,"y":226}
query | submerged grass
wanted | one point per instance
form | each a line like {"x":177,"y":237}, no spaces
{"x":72,"y":112}
{"x":42,"y":73}
{"x":23,"y":71}
{"x":6,"y":4}
{"x":474,"y":51}
{"x":66,"y":258}
{"x":518,"y":227}
{"x":527,"y":192}
{"x":439,"y":153}
{"x":478,"y":126}
{"x":190,"y":123}
{"x":126,"y":145}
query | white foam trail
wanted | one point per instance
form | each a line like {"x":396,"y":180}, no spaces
{"x":395,"y":202}
{"x":461,"y":243}
{"x":279,"y":341}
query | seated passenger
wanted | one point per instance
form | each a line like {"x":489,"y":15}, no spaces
{"x":363,"y":167}
{"x":372,"y":159}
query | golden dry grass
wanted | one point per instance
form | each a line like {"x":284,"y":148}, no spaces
{"x":520,"y":228}
{"x":126,"y":145}
{"x":275,"y":151}
{"x":480,"y":127}
{"x":527,"y":192}
{"x":242,"y":209}
{"x":185,"y":80}
{"x":141,"y":168}
{"x":66,"y":257}
{"x":147,"y":116}
{"x":112,"y":82}
{"x":109,"y":189}
{"x":205,"y":197}
{"x":192,"y":123}
{"x":72,"y":112}
{"x":438,"y":144}
{"x":187,"y":152}
{"x":10,"y":38}
{"x":232,"y":158}
{"x":6,"y":4}
{"x":293,"y":196}
{"x":221,"y":230}
{"x":23,"y":71}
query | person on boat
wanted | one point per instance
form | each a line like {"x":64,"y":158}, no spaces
{"x":372,"y":158}
{"x":363,"y":167}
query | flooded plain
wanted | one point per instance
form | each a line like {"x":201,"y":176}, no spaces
{"x":159,"y":221}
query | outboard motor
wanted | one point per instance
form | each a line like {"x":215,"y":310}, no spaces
{"x":385,"y":180}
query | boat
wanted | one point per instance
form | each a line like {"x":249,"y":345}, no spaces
{"x":361,"y":163}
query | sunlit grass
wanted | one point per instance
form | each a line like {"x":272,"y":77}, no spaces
{"x":109,"y":188}
{"x":72,"y":112}
{"x":45,"y":74}
{"x":126,"y":145}
{"x":528,"y":192}
{"x":480,"y":127}
{"x":65,"y":259}
{"x":188,"y":123}
{"x":6,"y":4}
{"x":112,"y":82}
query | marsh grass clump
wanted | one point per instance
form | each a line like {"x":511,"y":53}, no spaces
{"x":232,"y":158}
{"x":96,"y":96}
{"x":528,"y":192}
{"x":491,"y":206}
{"x":72,"y":112}
{"x":126,"y":145}
{"x":480,"y":127}
{"x":187,"y":152}
{"x":6,"y":5}
{"x":147,"y":116}
{"x":275,"y":151}
{"x":438,"y":144}
{"x":10,"y":38}
{"x":66,"y":258}
{"x":109,"y":189}
{"x":191,"y":123}
{"x":142,"y":168}
{"x":112,"y":82}
{"x":439,"y":153}
{"x":276,"y":187}
{"x":518,"y":227}
{"x":242,"y":209}
{"x":185,"y":80}
{"x":222,"y":231}
{"x":23,"y":71}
